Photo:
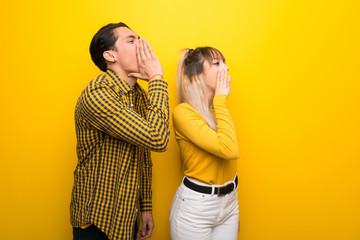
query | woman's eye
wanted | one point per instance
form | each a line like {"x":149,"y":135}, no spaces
{"x":216,"y":63}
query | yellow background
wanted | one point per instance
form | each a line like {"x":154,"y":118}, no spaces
{"x":295,"y":101}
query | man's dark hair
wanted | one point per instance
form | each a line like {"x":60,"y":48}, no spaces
{"x":102,"y":41}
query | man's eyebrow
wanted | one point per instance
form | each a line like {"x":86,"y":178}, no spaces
{"x":132,"y":36}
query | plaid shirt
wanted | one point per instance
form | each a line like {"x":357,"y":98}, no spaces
{"x":116,"y":127}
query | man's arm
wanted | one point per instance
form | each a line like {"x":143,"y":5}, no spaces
{"x":105,"y":112}
{"x":146,"y":198}
{"x":108,"y":114}
{"x":146,"y":182}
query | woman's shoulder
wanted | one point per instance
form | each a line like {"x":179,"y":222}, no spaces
{"x":183,"y":110}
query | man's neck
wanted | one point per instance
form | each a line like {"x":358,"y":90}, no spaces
{"x":131,"y":81}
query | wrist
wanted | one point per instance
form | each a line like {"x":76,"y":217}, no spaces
{"x":220,"y":97}
{"x":157,"y":75}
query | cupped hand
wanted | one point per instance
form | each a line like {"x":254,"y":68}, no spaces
{"x":149,"y":65}
{"x":223,"y":82}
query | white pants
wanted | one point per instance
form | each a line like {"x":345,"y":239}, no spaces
{"x":198,"y":216}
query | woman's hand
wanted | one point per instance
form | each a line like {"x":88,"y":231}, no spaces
{"x":223,"y":82}
{"x":149,"y":65}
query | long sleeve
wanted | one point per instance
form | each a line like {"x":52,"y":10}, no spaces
{"x":106,"y":112}
{"x":146,"y":182}
{"x":116,"y":127}
{"x":190,"y":126}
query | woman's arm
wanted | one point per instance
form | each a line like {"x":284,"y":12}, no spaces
{"x":190,"y":125}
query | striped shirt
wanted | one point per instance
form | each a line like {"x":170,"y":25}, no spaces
{"x":116,"y":127}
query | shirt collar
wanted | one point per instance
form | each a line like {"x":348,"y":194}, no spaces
{"x":118,"y":82}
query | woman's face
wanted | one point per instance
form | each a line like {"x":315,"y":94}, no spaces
{"x":211,"y":70}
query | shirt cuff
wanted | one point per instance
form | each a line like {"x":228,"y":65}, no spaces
{"x":146,"y":205}
{"x":219,"y":99}
{"x":158,"y":85}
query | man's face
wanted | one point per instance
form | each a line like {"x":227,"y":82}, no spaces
{"x":126,"y":52}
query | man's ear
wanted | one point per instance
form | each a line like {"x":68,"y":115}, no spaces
{"x":109,"y":56}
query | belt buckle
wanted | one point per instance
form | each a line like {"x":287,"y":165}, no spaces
{"x":219,"y":191}
{"x":220,"y":194}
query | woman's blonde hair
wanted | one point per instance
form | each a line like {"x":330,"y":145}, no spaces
{"x":190,"y":80}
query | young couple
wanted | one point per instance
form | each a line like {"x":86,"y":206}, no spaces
{"x":118,"y":124}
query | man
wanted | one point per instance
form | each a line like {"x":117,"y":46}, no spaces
{"x":117,"y":124}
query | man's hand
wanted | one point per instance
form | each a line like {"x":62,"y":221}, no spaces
{"x":147,"y":226}
{"x":149,"y":65}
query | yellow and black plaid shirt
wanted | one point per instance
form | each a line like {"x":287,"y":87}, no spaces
{"x":116,"y":127}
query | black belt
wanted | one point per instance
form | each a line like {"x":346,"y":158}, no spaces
{"x":217,"y":190}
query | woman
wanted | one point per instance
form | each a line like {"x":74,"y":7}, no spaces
{"x":205,"y":205}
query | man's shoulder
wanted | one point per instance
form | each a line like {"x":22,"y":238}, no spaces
{"x":100,"y":80}
{"x":97,"y":83}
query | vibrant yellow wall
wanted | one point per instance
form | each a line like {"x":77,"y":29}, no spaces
{"x":295,"y":99}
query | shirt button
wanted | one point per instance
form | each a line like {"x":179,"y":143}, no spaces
{"x":138,"y":186}
{"x":131,"y":105}
{"x":136,"y":210}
